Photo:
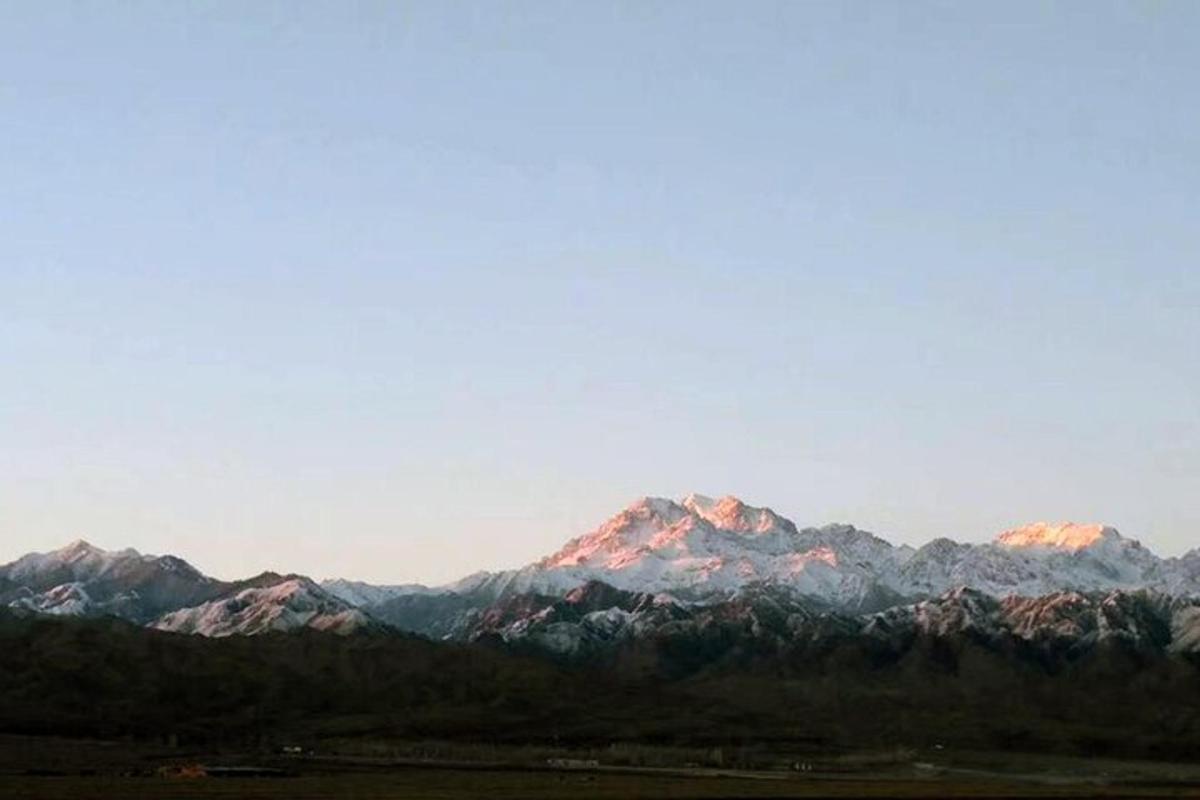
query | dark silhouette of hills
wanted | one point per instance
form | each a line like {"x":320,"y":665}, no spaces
{"x":716,"y":684}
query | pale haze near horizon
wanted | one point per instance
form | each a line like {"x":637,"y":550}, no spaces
{"x":400,"y":292}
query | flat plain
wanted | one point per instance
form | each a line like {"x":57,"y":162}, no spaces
{"x":35,"y":768}
{"x":438,"y":784}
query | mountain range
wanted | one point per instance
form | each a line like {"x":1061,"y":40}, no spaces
{"x":663,"y":568}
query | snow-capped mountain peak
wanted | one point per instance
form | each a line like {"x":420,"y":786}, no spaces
{"x":624,"y":536}
{"x":79,"y":560}
{"x":732,"y":514}
{"x":1067,"y":536}
{"x":695,"y":550}
{"x":82,"y":579}
{"x":80,"y":548}
{"x":292,"y":603}
{"x":700,"y":546}
{"x":698,"y":503}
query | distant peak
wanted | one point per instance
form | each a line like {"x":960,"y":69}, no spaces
{"x":1060,"y":536}
{"x":654,"y":505}
{"x":732,"y":513}
{"x":80,"y":547}
{"x":729,"y":503}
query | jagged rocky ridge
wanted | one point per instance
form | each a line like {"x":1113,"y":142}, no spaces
{"x":167,"y":593}
{"x":662,"y":568}
{"x":83,"y":580}
{"x":701,"y":548}
{"x":596,"y":619}
{"x":293,"y":603}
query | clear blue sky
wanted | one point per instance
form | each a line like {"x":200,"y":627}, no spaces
{"x":402,"y":291}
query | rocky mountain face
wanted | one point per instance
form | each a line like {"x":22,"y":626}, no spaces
{"x":167,"y":593}
{"x":596,"y":620}
{"x":83,"y":580}
{"x":682,"y":568}
{"x":1072,"y":620}
{"x":291,"y":604}
{"x":669,"y":571}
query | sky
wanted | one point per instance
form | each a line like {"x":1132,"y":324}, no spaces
{"x":399,"y":292}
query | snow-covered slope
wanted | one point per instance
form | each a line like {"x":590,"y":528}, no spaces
{"x":1181,"y":576}
{"x":695,"y":550}
{"x":596,"y":619}
{"x":1066,"y":536}
{"x":1074,"y":619}
{"x":65,"y":600}
{"x":1039,"y":559}
{"x":168,"y":593}
{"x":82,"y":562}
{"x":701,"y":547}
{"x":84,"y":580}
{"x":292,"y":604}
{"x":357,"y":593}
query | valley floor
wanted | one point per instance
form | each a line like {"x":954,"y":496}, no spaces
{"x":520,"y":785}
{"x":57,"y":769}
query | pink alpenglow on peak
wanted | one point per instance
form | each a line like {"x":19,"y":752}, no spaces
{"x":731,"y":514}
{"x":1063,"y":536}
{"x":702,"y":546}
